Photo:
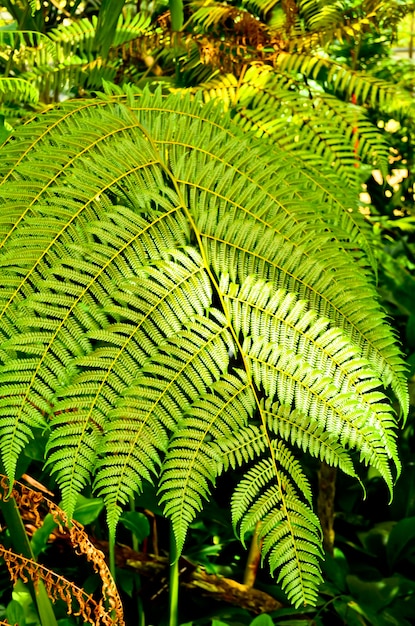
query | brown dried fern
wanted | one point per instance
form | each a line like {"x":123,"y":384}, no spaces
{"x":58,"y":587}
{"x":106,"y":611}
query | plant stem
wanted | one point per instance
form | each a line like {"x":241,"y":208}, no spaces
{"x":174,"y":582}
{"x":254,"y":558}
{"x":21,"y":545}
{"x":177,"y":20}
{"x":134,"y":540}
{"x":325,"y":503}
{"x":111,"y":554}
{"x":141,"y":614}
{"x":177,"y":15}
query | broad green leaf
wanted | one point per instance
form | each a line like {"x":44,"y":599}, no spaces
{"x":137,"y":523}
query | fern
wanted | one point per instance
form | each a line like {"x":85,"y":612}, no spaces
{"x":13,"y":88}
{"x":289,"y":531}
{"x":67,"y":58}
{"x":173,"y":305}
{"x":317,"y":126}
{"x":281,"y":82}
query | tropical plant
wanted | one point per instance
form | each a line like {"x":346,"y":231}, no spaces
{"x":277,"y":66}
{"x":67,"y":60}
{"x":180,"y":299}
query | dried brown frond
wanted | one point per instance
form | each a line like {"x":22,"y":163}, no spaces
{"x":35,"y":506}
{"x":79,"y":603}
{"x":230,"y":38}
{"x":36,"y":484}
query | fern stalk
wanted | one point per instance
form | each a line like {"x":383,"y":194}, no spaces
{"x":176,"y":13}
{"x":111,"y":553}
{"x":134,"y":539}
{"x":325,"y":504}
{"x":173,"y":581}
{"x":177,"y":19}
{"x":254,"y":558}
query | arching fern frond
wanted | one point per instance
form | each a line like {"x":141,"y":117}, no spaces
{"x":319,"y":16}
{"x":297,"y":428}
{"x":344,"y":81}
{"x":173,"y":304}
{"x":26,"y":41}
{"x":316,"y":126}
{"x":192,"y":461}
{"x":67,"y":59}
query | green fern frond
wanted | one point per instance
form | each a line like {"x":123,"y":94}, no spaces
{"x":67,"y":58}
{"x":184,"y":368}
{"x":214,"y":13}
{"x":298,"y":429}
{"x":318,"y":15}
{"x":165,"y":291}
{"x":341,"y":80}
{"x":17,"y":88}
{"x":78,"y":37}
{"x":273,"y":499}
{"x":322,"y":128}
{"x":111,"y":369}
{"x":301,"y":346}
{"x":31,"y":42}
{"x":261,"y":7}
{"x":187,"y":479}
{"x":240,"y":447}
{"x":316,"y":25}
{"x":195,"y":456}
{"x":286,"y":375}
{"x":131,"y":27}
{"x":277,"y":249}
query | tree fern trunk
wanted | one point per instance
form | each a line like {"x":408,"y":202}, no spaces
{"x":254,"y":558}
{"x":325,"y":504}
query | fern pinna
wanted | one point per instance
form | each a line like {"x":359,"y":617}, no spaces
{"x":179,"y":299}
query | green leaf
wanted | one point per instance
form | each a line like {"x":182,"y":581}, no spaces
{"x":41,"y":535}
{"x":349,"y":611}
{"x":137,"y":523}
{"x":87,"y":510}
{"x":15,"y":613}
{"x":22,"y":597}
{"x":335,"y":569}
{"x":128,"y":581}
{"x":177,"y":15}
{"x":108,"y":15}
{"x":262,"y":620}
{"x":401,"y":541}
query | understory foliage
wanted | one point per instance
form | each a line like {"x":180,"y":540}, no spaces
{"x":275,"y":64}
{"x":179,"y":299}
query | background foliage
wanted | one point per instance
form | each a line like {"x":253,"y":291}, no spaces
{"x":313,"y":79}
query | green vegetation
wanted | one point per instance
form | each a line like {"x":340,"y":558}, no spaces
{"x":206,"y":337}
